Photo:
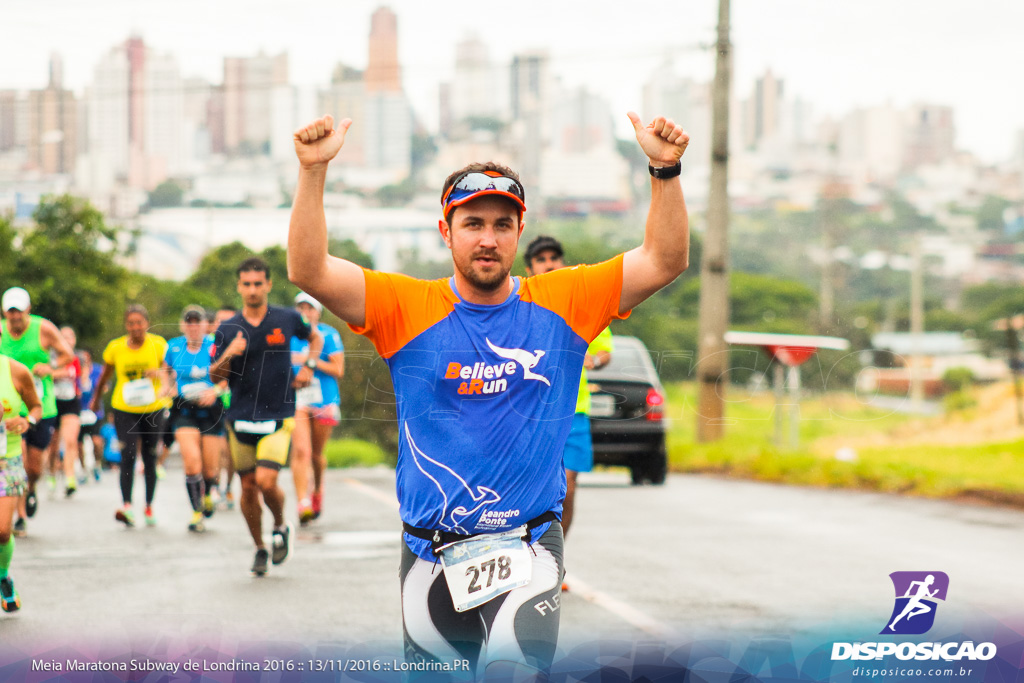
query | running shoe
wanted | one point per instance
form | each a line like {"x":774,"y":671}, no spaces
{"x":229,"y":500}
{"x":196,"y":524}
{"x":160,"y":472}
{"x":125,"y":515}
{"x":318,"y":502}
{"x":20,"y":528}
{"x":208,"y":506}
{"x":96,"y":473}
{"x":150,"y":518}
{"x":9,"y":599}
{"x":70,"y":491}
{"x":52,"y":481}
{"x":282,"y":544}
{"x":82,"y":478}
{"x":31,"y":503}
{"x":306,"y":512}
{"x":259,"y":563}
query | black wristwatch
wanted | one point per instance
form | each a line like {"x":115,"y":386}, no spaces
{"x":665,"y":172}
{"x":311,"y":363}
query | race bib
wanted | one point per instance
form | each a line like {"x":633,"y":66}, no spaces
{"x":480,"y":569}
{"x":262,"y":427}
{"x":310,"y":395}
{"x":64,"y":390}
{"x":194,"y":391}
{"x":87,"y":418}
{"x":139,"y":392}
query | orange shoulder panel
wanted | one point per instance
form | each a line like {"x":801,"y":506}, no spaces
{"x":586,"y":297}
{"x":399,"y":308}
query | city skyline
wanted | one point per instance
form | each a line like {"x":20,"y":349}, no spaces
{"x":915,"y":56}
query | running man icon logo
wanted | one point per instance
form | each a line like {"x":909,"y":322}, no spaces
{"x":916,"y":596}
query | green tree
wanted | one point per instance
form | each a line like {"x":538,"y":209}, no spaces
{"x":69,"y":261}
{"x":168,"y":193}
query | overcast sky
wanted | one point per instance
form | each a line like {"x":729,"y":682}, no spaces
{"x":838,"y":54}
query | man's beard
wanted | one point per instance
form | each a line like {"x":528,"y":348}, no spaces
{"x":488,"y":282}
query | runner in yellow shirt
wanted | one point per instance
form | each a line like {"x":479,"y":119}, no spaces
{"x":139,"y":399}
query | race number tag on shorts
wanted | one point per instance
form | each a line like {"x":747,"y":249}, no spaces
{"x":87,"y":417}
{"x":262,"y":427}
{"x":139,"y":392}
{"x":482,"y":568}
{"x":309,"y":395}
{"x":64,"y":390}
{"x":194,"y":391}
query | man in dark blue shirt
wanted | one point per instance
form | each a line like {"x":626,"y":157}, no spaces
{"x":253,"y":353}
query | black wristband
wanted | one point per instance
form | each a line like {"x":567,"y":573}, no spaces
{"x":666,"y":172}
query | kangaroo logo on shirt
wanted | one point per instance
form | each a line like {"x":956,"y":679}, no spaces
{"x":524,"y":358}
{"x":446,"y":479}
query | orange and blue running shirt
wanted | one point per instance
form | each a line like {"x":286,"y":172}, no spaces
{"x":486,"y":394}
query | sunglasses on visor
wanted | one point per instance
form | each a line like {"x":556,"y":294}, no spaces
{"x":474,"y":183}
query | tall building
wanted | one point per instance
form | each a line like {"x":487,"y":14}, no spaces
{"x":930,"y":134}
{"x":871,"y":143}
{"x":475,"y":90}
{"x":378,"y":147}
{"x":531,"y":90}
{"x":383,"y":72}
{"x":346,"y":98}
{"x":249,"y":85}
{"x":135,"y":114}
{"x":8,"y":119}
{"x":763,"y":112}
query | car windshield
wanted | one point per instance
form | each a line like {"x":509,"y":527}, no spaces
{"x":630,"y":361}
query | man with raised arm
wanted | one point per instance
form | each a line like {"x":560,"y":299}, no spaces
{"x":486,"y":368}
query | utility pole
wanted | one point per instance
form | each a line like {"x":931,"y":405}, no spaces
{"x":916,"y":326}
{"x":712,"y":351}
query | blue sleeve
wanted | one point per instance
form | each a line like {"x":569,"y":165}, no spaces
{"x":171,"y":354}
{"x":332,"y":341}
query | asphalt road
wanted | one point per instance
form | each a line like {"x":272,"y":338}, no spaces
{"x":697,"y":557}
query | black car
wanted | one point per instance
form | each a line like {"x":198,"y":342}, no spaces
{"x":627,"y":422}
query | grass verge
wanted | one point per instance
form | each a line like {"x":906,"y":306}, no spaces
{"x":353,"y":453}
{"x":885,"y":459}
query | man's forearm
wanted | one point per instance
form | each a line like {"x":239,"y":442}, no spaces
{"x":667,"y":234}
{"x":307,"y":231}
{"x":219,"y":369}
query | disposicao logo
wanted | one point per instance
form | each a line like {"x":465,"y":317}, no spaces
{"x":917,"y":598}
{"x":917,"y":594}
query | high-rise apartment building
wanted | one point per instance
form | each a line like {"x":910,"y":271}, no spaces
{"x":763,"y":112}
{"x":930,"y":134}
{"x":135,"y":110}
{"x":378,"y":147}
{"x":249,"y":85}
{"x":475,"y":90}
{"x":52,"y":125}
{"x":383,"y":72}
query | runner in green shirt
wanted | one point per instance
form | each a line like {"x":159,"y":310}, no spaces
{"x":29,"y":340}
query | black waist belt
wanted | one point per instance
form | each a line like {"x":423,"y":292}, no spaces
{"x":439,"y":538}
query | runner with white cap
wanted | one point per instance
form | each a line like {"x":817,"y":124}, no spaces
{"x":29,"y":340}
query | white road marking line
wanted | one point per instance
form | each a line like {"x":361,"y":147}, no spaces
{"x":628,"y":614}
{"x":370,"y":491}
